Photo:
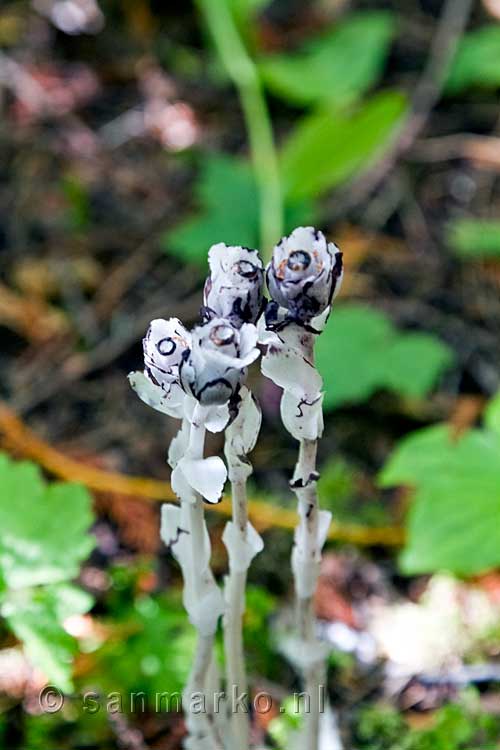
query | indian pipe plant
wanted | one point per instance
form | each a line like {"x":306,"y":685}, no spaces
{"x":198,"y":377}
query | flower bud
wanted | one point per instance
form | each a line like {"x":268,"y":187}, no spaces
{"x":163,"y":346}
{"x":214,"y":368}
{"x":305,"y":274}
{"x":234,"y":288}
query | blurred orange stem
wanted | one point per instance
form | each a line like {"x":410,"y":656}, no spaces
{"x":18,"y":438}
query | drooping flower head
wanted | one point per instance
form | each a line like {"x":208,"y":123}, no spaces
{"x":215,"y":366}
{"x":234,"y":288}
{"x":305,"y":274}
{"x":158,"y":386}
{"x":163,"y":346}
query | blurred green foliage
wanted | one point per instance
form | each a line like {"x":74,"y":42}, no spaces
{"x":153,"y":648}
{"x":328,"y":147}
{"x":283,"y":728}
{"x":457,"y":726}
{"x":36,"y":616}
{"x":44,"y":527}
{"x":245,"y":13}
{"x":338,"y":67}
{"x":44,"y":539}
{"x":361,"y":352}
{"x":226,"y":193}
{"x":475,"y":239}
{"x":477,"y":62}
{"x":338,"y":492}
{"x":78,"y":200}
{"x":74,"y":730}
{"x":451,"y":522}
{"x":261,"y":651}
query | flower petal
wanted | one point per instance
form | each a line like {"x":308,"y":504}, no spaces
{"x":242,"y":433}
{"x":288,"y":368}
{"x":241,"y":551}
{"x":306,"y":570}
{"x":205,"y":608}
{"x":168,"y":402}
{"x":216,"y":417}
{"x":203,"y":600}
{"x":207,"y":476}
{"x":180,"y":485}
{"x":234,"y":288}
{"x":178,"y":445}
{"x":217,"y":362}
{"x":304,"y":655}
{"x":303,"y":418}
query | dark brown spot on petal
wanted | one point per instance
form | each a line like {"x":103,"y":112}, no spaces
{"x":299,"y":260}
{"x":222,"y":335}
{"x":246,"y":269}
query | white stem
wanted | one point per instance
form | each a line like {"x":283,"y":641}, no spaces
{"x":200,"y":724}
{"x":242,"y":543}
{"x":309,"y":553}
{"x":236,"y":678}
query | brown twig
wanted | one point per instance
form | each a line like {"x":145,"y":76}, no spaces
{"x":18,"y":438}
{"x":122,"y":276}
{"x":481,"y":150}
{"x":427,"y":93}
{"x":32,"y":318}
{"x":78,"y":365}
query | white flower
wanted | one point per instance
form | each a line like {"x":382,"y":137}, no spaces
{"x":163,"y":346}
{"x":234,"y":288}
{"x":216,"y":364}
{"x":158,"y":386}
{"x":304,"y":275}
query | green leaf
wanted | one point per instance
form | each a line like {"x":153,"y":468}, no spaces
{"x":492,"y":415}
{"x":414,"y":362}
{"x":338,"y":67}
{"x":78,"y":199}
{"x":43,"y":539}
{"x":329,"y":147}
{"x":452,"y":521}
{"x":361,"y":352}
{"x":244,"y":11}
{"x":338,"y":491}
{"x":475,"y":238}
{"x":36,"y":617}
{"x":43,"y":528}
{"x":156,"y":652}
{"x":477,"y":62}
{"x":229,"y":211}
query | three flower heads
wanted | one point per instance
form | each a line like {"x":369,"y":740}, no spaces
{"x":209,"y":364}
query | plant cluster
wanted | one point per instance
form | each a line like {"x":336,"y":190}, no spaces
{"x":198,"y":377}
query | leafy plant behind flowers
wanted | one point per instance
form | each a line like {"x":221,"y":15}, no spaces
{"x":452,"y":522}
{"x":43,"y":540}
